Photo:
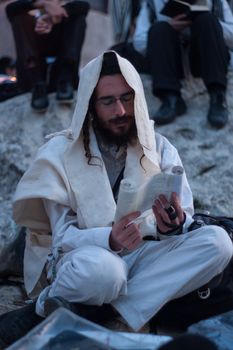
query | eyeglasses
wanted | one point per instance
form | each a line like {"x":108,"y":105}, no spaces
{"x":110,"y":101}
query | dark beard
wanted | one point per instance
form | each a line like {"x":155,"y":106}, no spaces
{"x":110,"y":138}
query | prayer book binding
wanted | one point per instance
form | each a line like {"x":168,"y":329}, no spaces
{"x":176,"y":7}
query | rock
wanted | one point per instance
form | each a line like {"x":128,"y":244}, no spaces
{"x":11,"y":253}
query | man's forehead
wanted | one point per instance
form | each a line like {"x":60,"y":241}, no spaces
{"x":112,"y":85}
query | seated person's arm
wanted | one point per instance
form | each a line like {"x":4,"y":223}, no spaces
{"x":55,"y":12}
{"x":65,"y":231}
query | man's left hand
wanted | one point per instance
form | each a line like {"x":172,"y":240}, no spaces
{"x":169,"y":214}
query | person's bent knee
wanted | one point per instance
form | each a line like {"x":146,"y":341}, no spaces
{"x":220,"y":242}
{"x":159,"y":27}
{"x":92,"y":275}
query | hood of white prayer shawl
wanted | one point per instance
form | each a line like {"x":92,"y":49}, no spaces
{"x":88,"y":81}
{"x":61,"y":173}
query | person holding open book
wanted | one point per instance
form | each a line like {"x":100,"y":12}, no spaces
{"x":77,"y":254}
{"x":164,"y":30}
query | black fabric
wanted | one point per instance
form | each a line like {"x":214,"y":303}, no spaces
{"x":201,"y":219}
{"x":208,"y":54}
{"x":110,"y":65}
{"x":179,"y":314}
{"x":64,"y":43}
{"x":117,"y":183}
{"x":16,"y":324}
{"x":126,"y":50}
{"x":217,"y":9}
{"x":12,"y":257}
{"x":97,"y":314}
{"x":9,"y":90}
{"x":135,"y":8}
{"x":164,"y":58}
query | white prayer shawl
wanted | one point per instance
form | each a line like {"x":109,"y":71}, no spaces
{"x":61,"y":173}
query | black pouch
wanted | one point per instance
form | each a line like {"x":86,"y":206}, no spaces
{"x":204,"y":219}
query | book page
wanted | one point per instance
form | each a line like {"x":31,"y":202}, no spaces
{"x":133,"y":198}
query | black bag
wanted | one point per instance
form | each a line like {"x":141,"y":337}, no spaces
{"x":212,"y":299}
{"x":205,"y":219}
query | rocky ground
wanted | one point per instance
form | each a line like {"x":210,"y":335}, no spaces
{"x":206,"y":154}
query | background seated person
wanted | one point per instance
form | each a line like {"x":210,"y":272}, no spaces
{"x":54,"y":30}
{"x":160,"y":41}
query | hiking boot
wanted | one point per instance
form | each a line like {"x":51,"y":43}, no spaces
{"x":39,"y":100}
{"x":98,"y":314}
{"x":65,"y":92}
{"x":172,"y":106}
{"x":218,"y":113}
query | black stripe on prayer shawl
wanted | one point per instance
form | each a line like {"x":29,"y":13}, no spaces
{"x":117,"y":183}
{"x":217,"y":9}
{"x":152,"y":9}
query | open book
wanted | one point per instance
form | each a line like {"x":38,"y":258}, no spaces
{"x":176,"y":7}
{"x":133,"y":198}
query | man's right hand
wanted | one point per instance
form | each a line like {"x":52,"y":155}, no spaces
{"x":43,"y":24}
{"x":125,"y":235}
{"x":180,"y":22}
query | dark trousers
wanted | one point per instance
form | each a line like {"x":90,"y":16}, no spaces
{"x":64,"y":42}
{"x":208,"y":54}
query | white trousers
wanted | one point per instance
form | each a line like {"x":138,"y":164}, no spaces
{"x":140,"y":283}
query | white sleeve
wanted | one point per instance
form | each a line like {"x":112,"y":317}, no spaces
{"x":227,"y":24}
{"x":141,"y":30}
{"x":67,"y":235}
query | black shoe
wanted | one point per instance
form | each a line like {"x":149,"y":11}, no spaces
{"x":172,"y":106}
{"x":40,"y":100}
{"x":16,"y":324}
{"x":97,"y":314}
{"x":218,"y":113}
{"x":65,"y":92}
{"x":53,"y":303}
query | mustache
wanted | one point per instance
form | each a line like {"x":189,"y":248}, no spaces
{"x":120,"y":119}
